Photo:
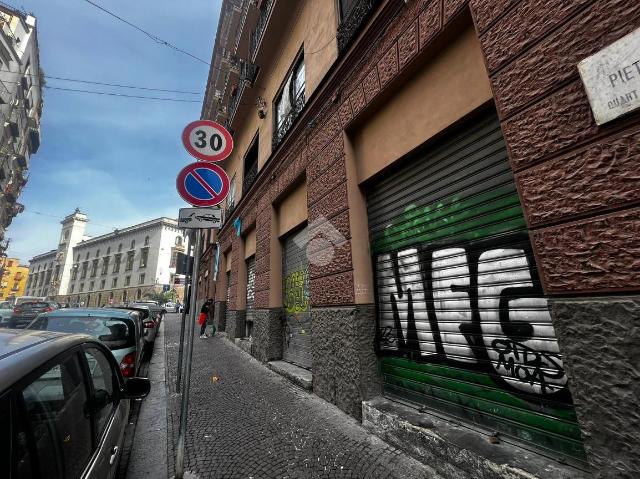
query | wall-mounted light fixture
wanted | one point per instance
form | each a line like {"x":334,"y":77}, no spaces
{"x":261,"y":104}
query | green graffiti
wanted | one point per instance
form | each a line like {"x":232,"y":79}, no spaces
{"x":295,"y":292}
{"x":454,"y":220}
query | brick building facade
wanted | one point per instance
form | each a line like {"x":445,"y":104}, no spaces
{"x":471,"y":233}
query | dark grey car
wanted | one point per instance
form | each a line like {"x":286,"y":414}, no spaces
{"x":63,"y":406}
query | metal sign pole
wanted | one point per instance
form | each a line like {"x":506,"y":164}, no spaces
{"x":184,"y":315}
{"x":187,"y":376}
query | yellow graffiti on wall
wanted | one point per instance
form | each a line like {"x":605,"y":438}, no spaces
{"x":295,"y":294}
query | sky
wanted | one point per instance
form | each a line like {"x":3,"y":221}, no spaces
{"x":114,"y":158}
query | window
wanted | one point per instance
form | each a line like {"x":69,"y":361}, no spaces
{"x":71,"y":289}
{"x":129,"y":265}
{"x":53,"y":403}
{"x":97,"y":253}
{"x":133,"y":244}
{"x":114,"y":282}
{"x":178,"y":240}
{"x":144,"y":255}
{"x":174,"y":258}
{"x":104,"y":395}
{"x":116,"y":262}
{"x":141,"y":279}
{"x":108,"y":250}
{"x":94,"y":268}
{"x":250,"y":171}
{"x":22,"y":462}
{"x":74,"y":271}
{"x":87,"y":255}
{"x":105,"y":265}
{"x":85,"y":266}
{"x":290,"y":100}
{"x":91,"y":286}
{"x":146,"y":241}
{"x":81,"y":289}
{"x":78,"y":259}
{"x":127,"y":280}
{"x":103,"y":283}
{"x":119,"y":247}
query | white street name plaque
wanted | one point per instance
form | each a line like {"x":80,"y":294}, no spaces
{"x":612,"y":78}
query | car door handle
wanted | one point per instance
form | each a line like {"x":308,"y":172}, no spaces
{"x":114,"y":454}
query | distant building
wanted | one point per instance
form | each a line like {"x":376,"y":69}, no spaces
{"x":20,"y":108}
{"x":117,"y":267}
{"x":14,"y":278}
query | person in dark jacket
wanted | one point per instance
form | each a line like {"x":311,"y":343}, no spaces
{"x":204,"y":316}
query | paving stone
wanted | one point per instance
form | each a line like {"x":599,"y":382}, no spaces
{"x":254,"y":423}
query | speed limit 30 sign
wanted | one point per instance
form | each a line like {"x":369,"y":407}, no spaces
{"x":207,"y":140}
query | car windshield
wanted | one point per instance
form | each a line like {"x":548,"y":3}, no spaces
{"x":113,"y":332}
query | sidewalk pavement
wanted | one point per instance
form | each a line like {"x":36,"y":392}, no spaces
{"x":247,"y":421}
{"x":147,"y":459}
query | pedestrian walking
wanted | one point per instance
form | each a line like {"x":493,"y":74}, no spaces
{"x":204,"y":316}
{"x":177,"y":307}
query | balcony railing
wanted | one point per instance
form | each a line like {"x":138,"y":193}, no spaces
{"x":248,"y":72}
{"x":256,"y":35}
{"x":233,"y":103}
{"x":249,"y":177}
{"x":282,"y":129}
{"x":353,"y":20}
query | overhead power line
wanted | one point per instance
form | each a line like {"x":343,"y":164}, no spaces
{"x":180,"y":100}
{"x":150,"y":35}
{"x":90,"y":82}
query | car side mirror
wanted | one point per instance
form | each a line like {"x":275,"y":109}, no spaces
{"x":136,"y":388}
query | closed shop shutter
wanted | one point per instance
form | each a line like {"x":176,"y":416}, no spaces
{"x":463,"y":326}
{"x":251,"y":279}
{"x":295,"y":290}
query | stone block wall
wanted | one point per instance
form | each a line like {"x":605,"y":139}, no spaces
{"x":220,"y":315}
{"x":345,"y":367}
{"x":267,"y":334}
{"x":235,"y":324}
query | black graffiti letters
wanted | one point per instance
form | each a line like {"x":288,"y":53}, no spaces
{"x":478,"y":305}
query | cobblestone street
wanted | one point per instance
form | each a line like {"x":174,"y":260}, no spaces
{"x":253,"y":423}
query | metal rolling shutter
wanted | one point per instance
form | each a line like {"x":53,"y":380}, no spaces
{"x":295,"y":291}
{"x":463,"y":327}
{"x":251,"y":279}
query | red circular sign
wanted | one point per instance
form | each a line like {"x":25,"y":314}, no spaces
{"x":202,"y":184}
{"x":207,"y":140}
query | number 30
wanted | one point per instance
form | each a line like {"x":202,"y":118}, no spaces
{"x":215,"y":141}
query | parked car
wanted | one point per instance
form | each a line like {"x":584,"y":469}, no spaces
{"x":64,"y":406}
{"x":149,"y":323}
{"x":6,"y":305}
{"x":24,"y":299}
{"x":5,"y":316}
{"x":27,"y":311}
{"x":120,"y":330}
{"x":157,"y":312}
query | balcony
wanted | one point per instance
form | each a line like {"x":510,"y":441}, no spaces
{"x":258,"y":32}
{"x":282,"y":129}
{"x":249,"y":178}
{"x":248,"y":72}
{"x":352,"y":20}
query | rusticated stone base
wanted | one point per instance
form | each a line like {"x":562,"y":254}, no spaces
{"x":455,"y":451}
{"x":235,"y":324}
{"x":220,"y":315}
{"x":267,"y":334}
{"x":345,"y":367}
{"x":600,"y":343}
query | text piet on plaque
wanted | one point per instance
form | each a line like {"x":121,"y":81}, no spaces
{"x":612,"y":78}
